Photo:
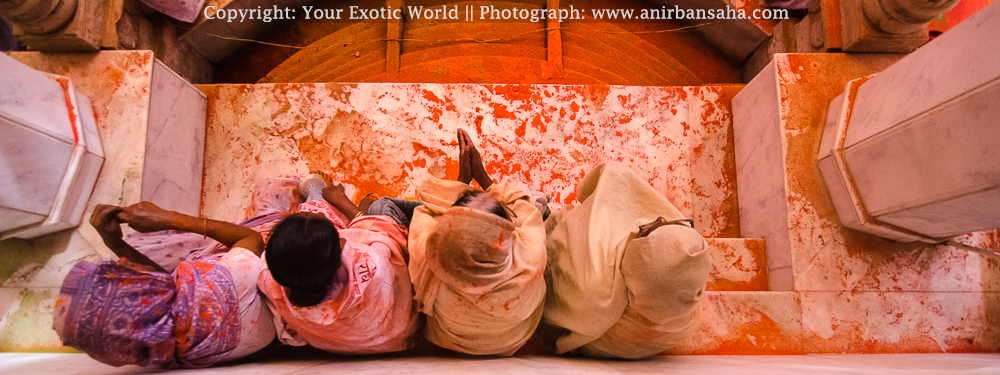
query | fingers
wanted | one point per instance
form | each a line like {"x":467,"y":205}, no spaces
{"x":104,"y":213}
{"x":462,"y":136}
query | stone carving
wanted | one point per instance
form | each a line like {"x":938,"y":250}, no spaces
{"x":888,"y":25}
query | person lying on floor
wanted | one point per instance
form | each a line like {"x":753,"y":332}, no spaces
{"x":625,"y":269}
{"x":340,"y":284}
{"x":198,"y":312}
{"x":476,"y":260}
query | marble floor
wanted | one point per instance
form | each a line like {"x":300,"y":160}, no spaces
{"x":881,"y":364}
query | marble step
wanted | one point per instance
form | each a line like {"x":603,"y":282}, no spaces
{"x":738,"y":264}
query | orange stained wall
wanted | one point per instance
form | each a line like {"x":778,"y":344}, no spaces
{"x":633,"y":52}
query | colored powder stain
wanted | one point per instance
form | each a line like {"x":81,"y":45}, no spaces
{"x":500,"y":111}
{"x":768,"y":339}
{"x":417,"y":147}
{"x":521,"y":129}
{"x":570,"y":197}
{"x":430,"y":96}
{"x":514,"y":92}
{"x":539,"y":124}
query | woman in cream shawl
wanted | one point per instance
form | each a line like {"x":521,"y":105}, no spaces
{"x":477,"y":275}
{"x":624,"y":270}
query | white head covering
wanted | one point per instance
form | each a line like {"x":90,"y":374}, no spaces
{"x":608,"y":288}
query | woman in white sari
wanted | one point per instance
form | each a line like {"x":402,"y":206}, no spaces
{"x":476,"y":260}
{"x":625,"y":269}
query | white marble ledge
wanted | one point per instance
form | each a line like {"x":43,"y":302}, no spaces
{"x":877,"y":364}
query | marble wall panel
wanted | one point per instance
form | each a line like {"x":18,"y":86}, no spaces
{"x":759,"y":152}
{"x":895,"y":322}
{"x":713,"y":160}
{"x":826,"y":256}
{"x":175,"y":143}
{"x":387,"y":138}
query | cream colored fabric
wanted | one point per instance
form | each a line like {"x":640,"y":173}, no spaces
{"x":477,"y":276}
{"x":618,"y":296}
{"x":256,"y":321}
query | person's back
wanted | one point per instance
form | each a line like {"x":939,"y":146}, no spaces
{"x":343,"y":290}
{"x":477,"y":259}
{"x":194,"y":313}
{"x":625,"y":269}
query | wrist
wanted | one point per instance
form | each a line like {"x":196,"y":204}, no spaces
{"x":186,"y":223}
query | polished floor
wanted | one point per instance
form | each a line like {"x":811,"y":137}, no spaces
{"x":309,"y":363}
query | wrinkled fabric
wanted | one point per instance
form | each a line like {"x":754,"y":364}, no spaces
{"x":121,"y":316}
{"x":616,"y":295}
{"x":370,"y":307}
{"x":476,"y":276}
{"x":170,"y":247}
{"x":256,"y":321}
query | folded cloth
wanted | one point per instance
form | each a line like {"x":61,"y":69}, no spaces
{"x":121,"y":316}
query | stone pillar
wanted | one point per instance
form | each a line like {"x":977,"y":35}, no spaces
{"x":888,"y":25}
{"x":56,"y":25}
{"x":910,"y":153}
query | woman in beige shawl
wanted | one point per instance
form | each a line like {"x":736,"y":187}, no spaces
{"x":624,"y":270}
{"x":476,"y":260}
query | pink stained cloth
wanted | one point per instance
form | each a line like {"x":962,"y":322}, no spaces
{"x":370,"y":308}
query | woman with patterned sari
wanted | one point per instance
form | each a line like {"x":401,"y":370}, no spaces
{"x":185,"y":314}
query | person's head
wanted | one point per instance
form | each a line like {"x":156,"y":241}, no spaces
{"x":480,"y":200}
{"x":303,"y":256}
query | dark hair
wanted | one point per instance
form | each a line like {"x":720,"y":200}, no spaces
{"x":303,"y":255}
{"x":479,"y":200}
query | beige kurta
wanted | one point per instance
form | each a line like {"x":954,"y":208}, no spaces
{"x":618,"y":296}
{"x":477,"y":276}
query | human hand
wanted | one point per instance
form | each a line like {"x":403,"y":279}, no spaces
{"x":146,"y":217}
{"x":104,"y":220}
{"x":464,"y":157}
{"x":336,"y":195}
{"x":473,"y":160}
{"x":366,"y":202}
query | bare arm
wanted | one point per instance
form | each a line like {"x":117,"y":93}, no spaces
{"x":107,"y":225}
{"x":147,"y":217}
{"x":335,"y":195}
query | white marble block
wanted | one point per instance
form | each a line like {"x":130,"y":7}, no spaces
{"x":917,"y":142}
{"x":175,"y":143}
{"x":51,"y":154}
